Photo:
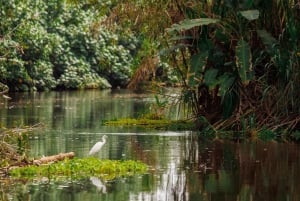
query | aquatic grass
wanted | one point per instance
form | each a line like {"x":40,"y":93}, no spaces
{"x":77,"y":168}
{"x":162,"y":124}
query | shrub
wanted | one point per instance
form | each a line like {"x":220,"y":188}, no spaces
{"x":49,"y":44}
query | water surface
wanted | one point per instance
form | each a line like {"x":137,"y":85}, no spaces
{"x":182,"y":165}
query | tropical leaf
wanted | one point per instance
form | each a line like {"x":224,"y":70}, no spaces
{"x":176,"y":38}
{"x":197,"y":62}
{"x":225,"y":81}
{"x":268,"y":40}
{"x":229,"y":103}
{"x":250,"y":14}
{"x":210,"y":77}
{"x":187,"y":96}
{"x":191,"y":23}
{"x":244,"y":61}
{"x":228,"y":96}
{"x":173,"y":48}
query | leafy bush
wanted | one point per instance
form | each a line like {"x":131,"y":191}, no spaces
{"x":49,"y":44}
{"x":236,"y":61}
{"x":42,"y":75}
{"x":79,"y":75}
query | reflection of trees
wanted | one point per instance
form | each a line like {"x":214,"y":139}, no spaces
{"x":68,"y":110}
{"x":176,"y":185}
{"x":244,"y":171}
{"x":164,"y":154}
{"x":64,"y":113}
{"x":182,"y":167}
{"x":187,"y":168}
{"x":271,"y":169}
{"x":143,"y":149}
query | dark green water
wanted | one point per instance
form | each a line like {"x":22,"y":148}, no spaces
{"x":182,"y":165}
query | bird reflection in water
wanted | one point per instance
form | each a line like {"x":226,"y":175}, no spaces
{"x":99,"y":184}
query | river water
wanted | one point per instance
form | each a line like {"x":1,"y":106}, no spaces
{"x":182,"y":165}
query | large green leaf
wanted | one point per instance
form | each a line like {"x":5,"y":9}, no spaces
{"x":228,"y":95}
{"x":197,"y":61}
{"x":191,"y":23}
{"x":210,"y":77}
{"x":225,"y":81}
{"x":173,"y":48}
{"x":230,"y":101}
{"x":268,"y":40}
{"x":250,"y":14}
{"x":179,"y":37}
{"x":244,"y":61}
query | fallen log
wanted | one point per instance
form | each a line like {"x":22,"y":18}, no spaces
{"x":44,"y":160}
{"x":54,"y":158}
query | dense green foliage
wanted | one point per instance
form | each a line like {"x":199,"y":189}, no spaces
{"x":239,"y":62}
{"x":79,"y":168}
{"x":49,"y":44}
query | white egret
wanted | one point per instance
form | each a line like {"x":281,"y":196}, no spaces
{"x":96,"y":148}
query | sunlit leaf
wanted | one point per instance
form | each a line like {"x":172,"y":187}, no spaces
{"x":175,"y":38}
{"x":225,"y":81}
{"x":173,"y":48}
{"x":250,"y":14}
{"x":268,"y":40}
{"x":244,"y":61}
{"x":210,"y":78}
{"x":229,"y":103}
{"x":198,"y":61}
{"x":191,"y":23}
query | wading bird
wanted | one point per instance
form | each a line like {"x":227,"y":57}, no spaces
{"x":96,"y":148}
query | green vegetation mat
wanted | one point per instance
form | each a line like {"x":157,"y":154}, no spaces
{"x":163,"y":124}
{"x":80,"y":168}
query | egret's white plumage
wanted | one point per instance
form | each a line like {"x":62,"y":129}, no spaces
{"x":96,"y":148}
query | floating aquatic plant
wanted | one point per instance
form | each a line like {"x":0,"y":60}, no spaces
{"x":153,"y":123}
{"x":80,"y":168}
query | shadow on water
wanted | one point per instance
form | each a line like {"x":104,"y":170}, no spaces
{"x":182,"y":165}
